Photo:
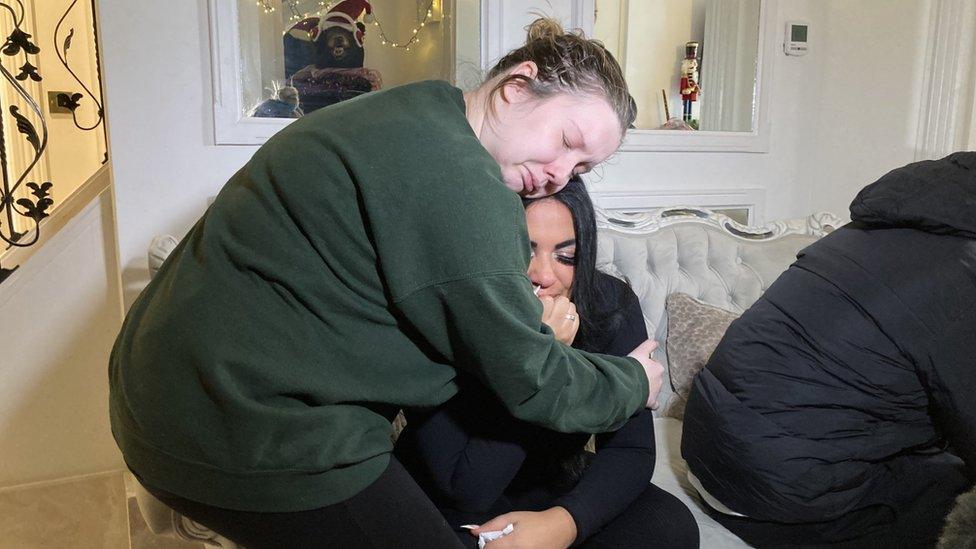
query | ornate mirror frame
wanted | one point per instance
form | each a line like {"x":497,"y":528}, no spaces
{"x":231,"y":127}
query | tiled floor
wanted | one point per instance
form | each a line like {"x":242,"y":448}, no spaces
{"x":87,"y":512}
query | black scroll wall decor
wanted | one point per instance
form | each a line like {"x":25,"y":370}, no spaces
{"x":73,"y":101}
{"x":34,"y":207}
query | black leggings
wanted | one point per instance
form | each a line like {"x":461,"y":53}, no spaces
{"x":914,"y":524}
{"x":391,"y":512}
{"x":655,"y":519}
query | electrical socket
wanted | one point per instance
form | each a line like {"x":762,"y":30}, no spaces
{"x":54,"y":106}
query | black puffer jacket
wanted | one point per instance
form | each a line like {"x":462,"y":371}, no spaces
{"x":852,"y":381}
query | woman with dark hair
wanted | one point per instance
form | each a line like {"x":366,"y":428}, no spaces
{"x":481,"y":466}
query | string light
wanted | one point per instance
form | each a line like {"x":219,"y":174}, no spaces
{"x":415,"y":32}
{"x":296,"y":14}
{"x":324,"y":7}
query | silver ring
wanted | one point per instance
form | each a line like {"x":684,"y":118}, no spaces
{"x":570,"y":317}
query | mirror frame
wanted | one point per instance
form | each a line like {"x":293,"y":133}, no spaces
{"x":231,"y":127}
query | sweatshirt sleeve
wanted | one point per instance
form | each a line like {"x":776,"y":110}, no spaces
{"x":469,"y":449}
{"x":619,"y":472}
{"x":624,"y":461}
{"x":490,"y":325}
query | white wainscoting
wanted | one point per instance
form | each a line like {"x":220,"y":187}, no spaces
{"x":750,"y":200}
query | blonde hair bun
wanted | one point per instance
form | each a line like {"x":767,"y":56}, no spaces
{"x":567,"y":63}
{"x":543,"y":28}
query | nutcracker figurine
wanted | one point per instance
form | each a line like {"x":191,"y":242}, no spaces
{"x":689,"y":78}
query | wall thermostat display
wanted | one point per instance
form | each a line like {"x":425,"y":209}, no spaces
{"x":796,"y":42}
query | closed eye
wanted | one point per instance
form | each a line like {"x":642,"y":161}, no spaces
{"x":566,"y":259}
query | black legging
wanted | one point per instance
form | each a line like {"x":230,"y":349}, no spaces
{"x":655,"y":519}
{"x":914,"y":524}
{"x":391,"y":512}
{"x":395,"y":512}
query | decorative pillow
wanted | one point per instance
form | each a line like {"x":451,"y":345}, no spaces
{"x":694,"y":330}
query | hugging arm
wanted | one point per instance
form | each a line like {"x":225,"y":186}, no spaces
{"x":470,"y":459}
{"x":624,"y":462}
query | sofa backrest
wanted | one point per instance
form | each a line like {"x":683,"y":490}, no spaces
{"x":700,"y":253}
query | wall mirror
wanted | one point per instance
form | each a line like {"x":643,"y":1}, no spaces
{"x":690,"y":64}
{"x":695,"y":68}
{"x":275,"y":60}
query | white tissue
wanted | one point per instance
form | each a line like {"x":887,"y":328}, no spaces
{"x":485,"y":537}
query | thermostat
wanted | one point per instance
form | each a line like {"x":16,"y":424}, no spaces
{"x":796,"y":42}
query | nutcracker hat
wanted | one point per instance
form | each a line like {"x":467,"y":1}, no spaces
{"x":344,"y":15}
{"x":307,"y":29}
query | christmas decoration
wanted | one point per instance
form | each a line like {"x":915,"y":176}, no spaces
{"x":689,"y":80}
{"x":324,"y":56}
{"x":298,"y":16}
{"x":283,"y":103}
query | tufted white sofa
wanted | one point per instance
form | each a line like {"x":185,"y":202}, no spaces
{"x":684,"y":249}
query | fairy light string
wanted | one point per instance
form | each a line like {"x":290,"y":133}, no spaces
{"x":415,"y":32}
{"x":324,"y":7}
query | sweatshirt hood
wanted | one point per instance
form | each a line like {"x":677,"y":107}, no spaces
{"x":936,"y":196}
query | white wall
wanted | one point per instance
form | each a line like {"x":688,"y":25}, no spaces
{"x":54,"y":367}
{"x":158,"y":91}
{"x":869,"y":82}
{"x":841,"y":116}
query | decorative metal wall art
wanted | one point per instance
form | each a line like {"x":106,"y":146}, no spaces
{"x":72,"y":101}
{"x":24,"y":203}
{"x":35,"y":207}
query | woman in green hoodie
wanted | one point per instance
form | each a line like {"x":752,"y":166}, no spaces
{"x":361,"y":256}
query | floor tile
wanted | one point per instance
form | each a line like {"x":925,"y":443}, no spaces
{"x":80,"y":513}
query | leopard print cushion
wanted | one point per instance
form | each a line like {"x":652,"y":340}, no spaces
{"x":960,"y":526}
{"x":694,"y":330}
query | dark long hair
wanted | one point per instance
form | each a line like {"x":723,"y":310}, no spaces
{"x":588,"y":292}
{"x":599,"y":310}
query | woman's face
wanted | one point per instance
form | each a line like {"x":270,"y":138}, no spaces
{"x":539,"y":144}
{"x":553,"y":247}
